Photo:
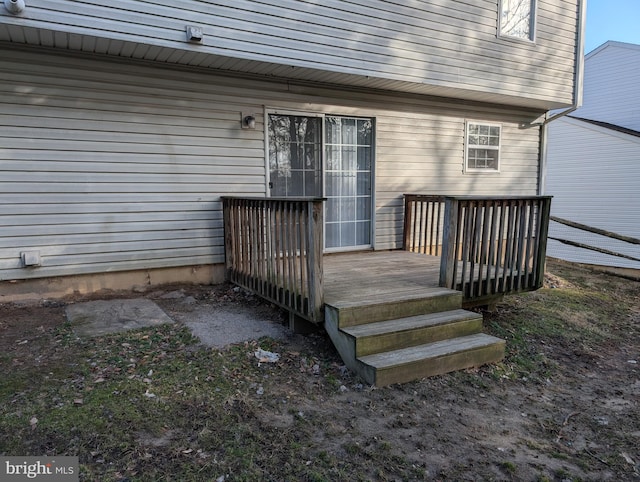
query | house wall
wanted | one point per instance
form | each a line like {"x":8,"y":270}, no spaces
{"x":110,"y":166}
{"x":593,"y":174}
{"x":443,"y":43}
{"x":611,"y":85}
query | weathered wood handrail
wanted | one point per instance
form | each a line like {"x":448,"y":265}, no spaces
{"x":273,"y":246}
{"x":489,"y":245}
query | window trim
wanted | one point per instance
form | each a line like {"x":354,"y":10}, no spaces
{"x":533,"y":16}
{"x":470,"y":170}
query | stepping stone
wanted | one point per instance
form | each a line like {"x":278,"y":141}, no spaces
{"x":95,"y":318}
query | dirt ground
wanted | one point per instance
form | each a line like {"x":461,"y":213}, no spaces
{"x":578,"y":420}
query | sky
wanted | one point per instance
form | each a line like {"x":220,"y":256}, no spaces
{"x":617,"y":20}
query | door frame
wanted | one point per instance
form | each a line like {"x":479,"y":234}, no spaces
{"x":293,"y":112}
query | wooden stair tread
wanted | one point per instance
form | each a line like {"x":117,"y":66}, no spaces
{"x":410,"y":323}
{"x":382,"y":297}
{"x":427,"y":351}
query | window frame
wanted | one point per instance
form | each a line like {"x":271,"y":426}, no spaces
{"x":533,"y":13}
{"x":467,"y":146}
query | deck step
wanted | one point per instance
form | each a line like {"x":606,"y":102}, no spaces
{"x":411,"y":331}
{"x":406,"y":364}
{"x":389,"y":305}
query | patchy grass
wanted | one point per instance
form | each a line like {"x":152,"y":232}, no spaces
{"x":154,"y":405}
{"x":571,"y":312}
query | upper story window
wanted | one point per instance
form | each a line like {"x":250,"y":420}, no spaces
{"x":482,"y":147}
{"x":517,"y":18}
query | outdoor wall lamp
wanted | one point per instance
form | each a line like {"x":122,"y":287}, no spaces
{"x":194,"y":34}
{"x":248,"y":122}
{"x":14,"y":6}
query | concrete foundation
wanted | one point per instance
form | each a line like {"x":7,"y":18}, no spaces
{"x":140,"y":280}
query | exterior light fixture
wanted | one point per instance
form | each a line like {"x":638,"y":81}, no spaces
{"x":194,"y":34}
{"x":248,"y":121}
{"x":14,"y":6}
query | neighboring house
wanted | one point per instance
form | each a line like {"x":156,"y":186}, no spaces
{"x":593,"y":157}
{"x":124,"y":123}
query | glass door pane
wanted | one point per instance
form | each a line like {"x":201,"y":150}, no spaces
{"x":348,"y":154}
{"x":295,"y":150}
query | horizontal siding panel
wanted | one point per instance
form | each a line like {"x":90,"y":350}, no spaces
{"x":125,"y":147}
{"x":96,"y":250}
{"x":405,"y":25}
{"x":88,"y":227}
{"x":144,"y":140}
{"x":88,"y":164}
{"x":113,"y":174}
{"x":108,"y":167}
{"x":122,"y":207}
{"x":104,"y":220}
{"x":87,"y":241}
{"x":106,"y":181}
{"x":133,"y":187}
{"x":128,"y":256}
{"x":102,"y":128}
{"x":446,"y":44}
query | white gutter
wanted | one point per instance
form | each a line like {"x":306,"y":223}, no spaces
{"x":577,"y":94}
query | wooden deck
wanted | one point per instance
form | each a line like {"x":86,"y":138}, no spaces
{"x":487,"y":247}
{"x":378,"y":274}
{"x":393,"y":316}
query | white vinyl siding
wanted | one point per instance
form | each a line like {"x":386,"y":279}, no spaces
{"x":593,"y":171}
{"x":108,"y":166}
{"x":108,"y":170}
{"x":439,"y":47}
{"x":611,"y":89}
{"x":593,"y":175}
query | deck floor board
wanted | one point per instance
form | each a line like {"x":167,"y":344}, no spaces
{"x":356,"y":276}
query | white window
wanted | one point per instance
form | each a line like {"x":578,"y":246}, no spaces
{"x":517,"y":18}
{"x":482,"y":147}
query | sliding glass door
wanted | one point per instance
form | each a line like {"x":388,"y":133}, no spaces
{"x":328,"y":156}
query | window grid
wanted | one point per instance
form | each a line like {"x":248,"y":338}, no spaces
{"x":482,"y":147}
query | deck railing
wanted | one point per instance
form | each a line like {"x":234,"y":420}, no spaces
{"x":273,"y":247}
{"x":489,"y":246}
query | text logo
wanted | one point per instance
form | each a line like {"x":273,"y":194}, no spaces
{"x":50,"y":469}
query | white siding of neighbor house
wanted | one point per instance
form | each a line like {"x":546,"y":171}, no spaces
{"x":611,"y":85}
{"x":594,"y":175}
{"x":441,"y":43}
{"x":110,"y":166}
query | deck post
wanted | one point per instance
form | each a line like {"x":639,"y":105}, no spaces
{"x":449,"y":246}
{"x":543,"y":233}
{"x":314,"y":258}
{"x":228,"y":237}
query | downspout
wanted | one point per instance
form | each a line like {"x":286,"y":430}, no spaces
{"x":577,"y":94}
